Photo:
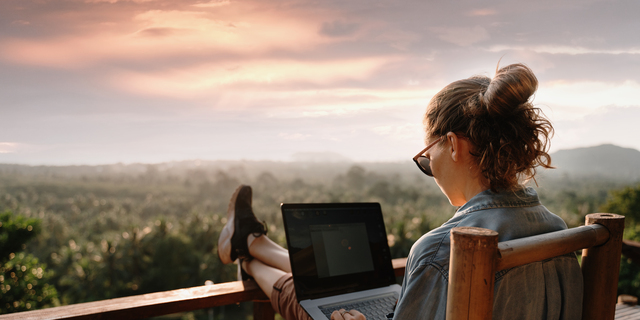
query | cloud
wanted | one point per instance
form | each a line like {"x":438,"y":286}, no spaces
{"x":212,"y":4}
{"x":401,"y":132}
{"x":611,"y":124}
{"x":397,"y":38}
{"x":564,"y":49}
{"x":176,"y":79}
{"x":8,"y":147}
{"x":570,"y":100}
{"x":173,"y":33}
{"x":202,"y":79}
{"x":293,"y":136}
{"x":462,"y":36}
{"x":157,"y":32}
{"x":338,"y":28}
{"x":116,"y":1}
{"x":483,"y":12}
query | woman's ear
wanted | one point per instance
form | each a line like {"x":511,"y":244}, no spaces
{"x":454,"y":145}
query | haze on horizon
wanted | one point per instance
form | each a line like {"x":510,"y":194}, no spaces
{"x":106,"y":81}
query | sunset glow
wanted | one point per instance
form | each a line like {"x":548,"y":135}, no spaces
{"x":103,"y":81}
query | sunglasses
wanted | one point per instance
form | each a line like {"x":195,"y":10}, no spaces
{"x":422,"y":161}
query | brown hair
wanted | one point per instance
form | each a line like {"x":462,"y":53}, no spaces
{"x":510,"y":136}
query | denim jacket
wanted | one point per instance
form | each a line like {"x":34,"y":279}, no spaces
{"x":550,"y":289}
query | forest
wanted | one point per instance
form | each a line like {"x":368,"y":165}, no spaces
{"x":85,"y":233}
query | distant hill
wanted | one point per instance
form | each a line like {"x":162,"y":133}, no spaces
{"x":606,"y":160}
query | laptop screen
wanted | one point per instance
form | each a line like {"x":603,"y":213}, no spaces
{"x":337,"y":248}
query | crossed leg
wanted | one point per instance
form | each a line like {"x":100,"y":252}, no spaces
{"x":270,"y":262}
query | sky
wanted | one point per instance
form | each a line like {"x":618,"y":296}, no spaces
{"x":107,"y":81}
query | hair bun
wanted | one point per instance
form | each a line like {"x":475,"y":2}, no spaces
{"x":511,"y":87}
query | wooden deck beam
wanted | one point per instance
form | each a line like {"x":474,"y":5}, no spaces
{"x":168,"y":302}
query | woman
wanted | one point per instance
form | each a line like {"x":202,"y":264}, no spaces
{"x":484,"y":141}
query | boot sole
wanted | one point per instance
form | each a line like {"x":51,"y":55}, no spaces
{"x":224,"y":241}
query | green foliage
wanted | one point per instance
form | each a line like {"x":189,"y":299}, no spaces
{"x":629,"y":278}
{"x":138,"y":261}
{"x":573,"y":198}
{"x":111,"y":232}
{"x":15,"y":231}
{"x":24,"y":282}
{"x":626,"y":201}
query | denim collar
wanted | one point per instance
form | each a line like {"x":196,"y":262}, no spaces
{"x":521,"y":197}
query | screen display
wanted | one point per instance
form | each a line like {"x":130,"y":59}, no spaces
{"x":341,"y":249}
{"x":337,"y":248}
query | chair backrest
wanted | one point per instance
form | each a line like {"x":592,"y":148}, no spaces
{"x":476,"y":256}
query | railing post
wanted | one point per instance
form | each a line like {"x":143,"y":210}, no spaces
{"x":262,"y":310}
{"x":600,"y":269}
{"x":471,"y":273}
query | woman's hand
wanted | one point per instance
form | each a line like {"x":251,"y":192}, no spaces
{"x":343,"y":314}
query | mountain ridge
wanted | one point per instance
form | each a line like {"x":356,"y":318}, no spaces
{"x":602,"y":161}
{"x":605,"y":160}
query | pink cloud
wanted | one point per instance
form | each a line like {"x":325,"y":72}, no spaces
{"x":235,"y":29}
{"x":204,"y":79}
{"x":483,"y":12}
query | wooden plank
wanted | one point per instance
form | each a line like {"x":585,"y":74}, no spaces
{"x":600,"y":269}
{"x":153,"y":304}
{"x":522,"y":251}
{"x":627,"y":312}
{"x":167,"y":302}
{"x":471,"y":273}
{"x":399,"y":266}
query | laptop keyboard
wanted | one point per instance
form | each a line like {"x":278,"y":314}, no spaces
{"x":373,"y":308}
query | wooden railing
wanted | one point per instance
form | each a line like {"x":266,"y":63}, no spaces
{"x":168,"y":302}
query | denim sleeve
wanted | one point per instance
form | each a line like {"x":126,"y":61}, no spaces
{"x":424,"y":294}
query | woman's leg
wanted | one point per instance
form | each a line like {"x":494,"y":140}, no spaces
{"x":265,"y":275}
{"x":270,"y":262}
{"x":268,"y":252}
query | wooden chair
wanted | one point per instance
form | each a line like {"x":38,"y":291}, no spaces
{"x":476,"y":256}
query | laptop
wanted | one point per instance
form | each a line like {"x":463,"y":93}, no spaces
{"x":340,"y":258}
